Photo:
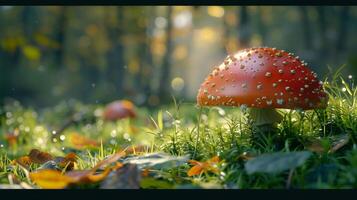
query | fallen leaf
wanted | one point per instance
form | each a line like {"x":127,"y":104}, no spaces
{"x":156,"y":161}
{"x":53,"y":179}
{"x":127,"y":177}
{"x":67,"y":162}
{"x":109,"y":160}
{"x":80,"y":142}
{"x":39,"y":157}
{"x":316,"y":146}
{"x":207,"y":166}
{"x":145,"y":172}
{"x":24,"y":161}
{"x":195,"y":170}
{"x":329,"y":145}
{"x":276,"y":162}
{"x":36,"y":156}
{"x":87,"y":176}
{"x":50,"y":179}
{"x":338,"y":142}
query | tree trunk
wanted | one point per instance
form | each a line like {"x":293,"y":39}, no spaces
{"x":164,"y":88}
{"x":261,"y":25}
{"x":147,"y":61}
{"x":115,"y":71}
{"x":321,"y":15}
{"x":62,"y":25}
{"x":305,"y":23}
{"x":343,"y":28}
{"x":244,"y":30}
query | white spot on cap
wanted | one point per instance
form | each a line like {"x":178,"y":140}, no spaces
{"x":259,"y":86}
{"x":280,"y":101}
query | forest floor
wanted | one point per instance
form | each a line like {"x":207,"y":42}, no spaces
{"x":180,"y":146}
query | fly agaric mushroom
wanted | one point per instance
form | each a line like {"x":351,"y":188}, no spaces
{"x":119,"y":110}
{"x":263,"y":79}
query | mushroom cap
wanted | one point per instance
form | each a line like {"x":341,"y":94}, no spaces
{"x":119,"y":110}
{"x":263,"y":78}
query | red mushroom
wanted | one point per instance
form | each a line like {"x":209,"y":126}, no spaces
{"x":263,"y":79}
{"x":119,"y":110}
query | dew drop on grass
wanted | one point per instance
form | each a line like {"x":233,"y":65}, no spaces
{"x":27,"y":129}
{"x":1,"y":146}
{"x":8,"y":114}
{"x":40,"y":141}
{"x":204,"y":117}
{"x":350,"y":76}
{"x":54,"y":140}
{"x":113,"y":133}
{"x":62,"y":137}
{"x":126,"y":136}
{"x":54,"y":132}
{"x":344,"y":89}
{"x":63,"y":148}
{"x":20,"y":119}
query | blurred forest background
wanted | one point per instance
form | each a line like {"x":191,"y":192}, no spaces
{"x":147,"y":53}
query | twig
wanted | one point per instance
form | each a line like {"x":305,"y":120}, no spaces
{"x":290,"y":177}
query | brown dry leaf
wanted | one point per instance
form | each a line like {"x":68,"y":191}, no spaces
{"x":24,"y":161}
{"x":145,"y":173}
{"x":207,"y":166}
{"x":53,"y":179}
{"x":39,"y":157}
{"x":339,"y":143}
{"x":111,"y":159}
{"x":316,"y":147}
{"x":68,"y":161}
{"x":80,"y":142}
{"x":87,"y":176}
{"x":336,"y":141}
{"x":195,"y":170}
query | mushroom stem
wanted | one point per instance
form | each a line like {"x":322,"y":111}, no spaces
{"x":265,"y":116}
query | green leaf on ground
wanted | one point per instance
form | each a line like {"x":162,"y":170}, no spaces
{"x":276,"y":162}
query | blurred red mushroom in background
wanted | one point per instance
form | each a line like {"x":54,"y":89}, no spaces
{"x":263,"y":79}
{"x":119,"y":110}
{"x":12,"y":137}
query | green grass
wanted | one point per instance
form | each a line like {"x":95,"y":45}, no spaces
{"x":201,"y":133}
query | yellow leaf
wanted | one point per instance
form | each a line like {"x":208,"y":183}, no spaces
{"x":79,"y":141}
{"x":215,"y":159}
{"x":53,"y":179}
{"x":195,"y":170}
{"x":31,"y":52}
{"x":208,"y":166}
{"x":50,"y":179}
